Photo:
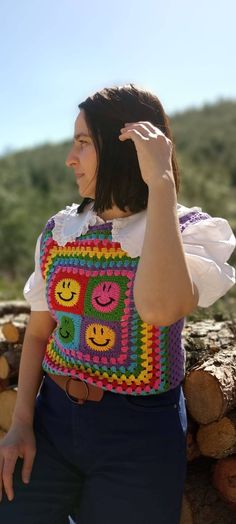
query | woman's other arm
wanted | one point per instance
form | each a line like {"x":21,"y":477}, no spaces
{"x":20,"y":440}
{"x":38,"y":330}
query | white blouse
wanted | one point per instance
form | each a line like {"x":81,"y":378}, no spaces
{"x":207,"y":244}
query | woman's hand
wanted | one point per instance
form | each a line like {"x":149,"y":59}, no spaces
{"x":18,"y":442}
{"x":154,"y":150}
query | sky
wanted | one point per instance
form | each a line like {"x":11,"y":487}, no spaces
{"x":54,"y":53}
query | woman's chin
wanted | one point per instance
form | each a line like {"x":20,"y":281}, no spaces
{"x":84,"y":194}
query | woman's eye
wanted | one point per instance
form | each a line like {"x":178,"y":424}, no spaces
{"x":81,"y":142}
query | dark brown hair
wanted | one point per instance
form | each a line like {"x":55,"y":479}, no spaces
{"x":119,"y":179}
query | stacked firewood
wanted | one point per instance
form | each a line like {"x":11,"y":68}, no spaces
{"x":13,"y":320}
{"x":210,"y":392}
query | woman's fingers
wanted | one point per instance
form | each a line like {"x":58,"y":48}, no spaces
{"x":7,"y":466}
{"x":19,"y":442}
{"x":153,"y":148}
{"x":144,"y":130}
{"x":27,"y":465}
{"x":9,"y":463}
{"x":139,"y":130}
{"x":1,"y":466}
{"x":131,"y":133}
{"x":147,"y":126}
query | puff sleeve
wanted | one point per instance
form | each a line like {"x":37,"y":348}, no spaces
{"x":34,"y":289}
{"x":208,"y":244}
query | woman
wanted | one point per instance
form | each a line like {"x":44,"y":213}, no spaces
{"x":114,"y":279}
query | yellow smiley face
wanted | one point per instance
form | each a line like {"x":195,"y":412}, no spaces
{"x":100,"y":337}
{"x":67,"y":292}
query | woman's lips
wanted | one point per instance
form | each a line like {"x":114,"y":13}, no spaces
{"x":79,"y":175}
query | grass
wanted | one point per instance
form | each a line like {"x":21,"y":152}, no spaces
{"x":11,"y":289}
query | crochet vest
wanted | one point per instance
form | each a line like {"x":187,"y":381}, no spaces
{"x":99,"y":336}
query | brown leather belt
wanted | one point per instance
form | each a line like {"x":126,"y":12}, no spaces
{"x":77,"y":390}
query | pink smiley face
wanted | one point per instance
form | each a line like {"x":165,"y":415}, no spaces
{"x":105,"y":296}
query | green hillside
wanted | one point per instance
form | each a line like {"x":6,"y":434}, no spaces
{"x":205,"y":141}
{"x":35,"y":184}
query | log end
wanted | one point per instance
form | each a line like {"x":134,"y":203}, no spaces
{"x":217,"y":439}
{"x":203,"y":395}
{"x":4,"y":368}
{"x":224,"y":479}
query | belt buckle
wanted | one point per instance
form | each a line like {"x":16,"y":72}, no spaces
{"x":79,"y":401}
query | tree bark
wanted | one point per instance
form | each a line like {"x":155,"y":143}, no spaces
{"x":206,"y":504}
{"x":14,"y":307}
{"x":5,"y":319}
{"x":4,"y":346}
{"x":186,"y":512}
{"x":3,"y":384}
{"x":204,"y":338}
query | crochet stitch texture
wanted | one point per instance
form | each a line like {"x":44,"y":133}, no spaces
{"x":100,"y":337}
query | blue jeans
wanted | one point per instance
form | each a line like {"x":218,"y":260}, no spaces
{"x":120,"y":460}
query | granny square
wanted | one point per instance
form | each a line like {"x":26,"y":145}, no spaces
{"x":66,"y":289}
{"x":68,"y":329}
{"x":107,"y":296}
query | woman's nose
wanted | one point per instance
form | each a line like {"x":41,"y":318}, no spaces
{"x":71,"y":159}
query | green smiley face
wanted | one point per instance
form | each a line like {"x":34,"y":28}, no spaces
{"x":66,"y":329}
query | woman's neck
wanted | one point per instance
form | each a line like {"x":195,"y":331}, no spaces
{"x":114,"y":212}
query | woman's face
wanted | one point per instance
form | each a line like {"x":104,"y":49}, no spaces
{"x":83,"y":158}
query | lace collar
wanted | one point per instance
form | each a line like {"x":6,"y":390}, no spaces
{"x":129,"y":231}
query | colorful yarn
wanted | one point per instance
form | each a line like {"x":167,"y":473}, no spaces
{"x":100,"y":336}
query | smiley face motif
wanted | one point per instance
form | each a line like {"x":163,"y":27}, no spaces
{"x":67,"y":292}
{"x":105,"y":296}
{"x":66,"y":330}
{"x":100,"y":337}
